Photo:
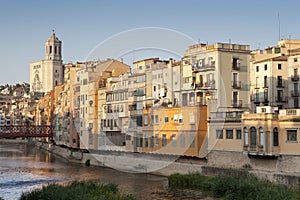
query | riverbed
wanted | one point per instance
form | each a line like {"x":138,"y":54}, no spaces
{"x":24,"y":167}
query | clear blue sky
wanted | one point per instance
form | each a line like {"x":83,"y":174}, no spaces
{"x":81,"y":25}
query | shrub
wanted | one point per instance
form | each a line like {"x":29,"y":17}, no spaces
{"x":77,"y":190}
{"x":234,"y":187}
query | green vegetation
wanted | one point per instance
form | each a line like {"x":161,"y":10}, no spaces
{"x":233,"y":187}
{"x":77,"y":190}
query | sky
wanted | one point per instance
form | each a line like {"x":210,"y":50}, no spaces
{"x":95,"y":29}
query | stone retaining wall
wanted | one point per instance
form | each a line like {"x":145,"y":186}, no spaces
{"x":279,"y":170}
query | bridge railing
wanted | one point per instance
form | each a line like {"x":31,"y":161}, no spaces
{"x":26,"y":131}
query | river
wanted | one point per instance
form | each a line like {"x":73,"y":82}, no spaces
{"x":24,"y":167}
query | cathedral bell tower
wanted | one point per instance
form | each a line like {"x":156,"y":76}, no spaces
{"x":53,"y":48}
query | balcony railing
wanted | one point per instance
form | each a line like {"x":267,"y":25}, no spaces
{"x":265,"y":85}
{"x":295,"y":77}
{"x":236,"y":84}
{"x":294,"y":93}
{"x":256,"y":101}
{"x":204,"y":67}
{"x":254,"y":149}
{"x":237,"y":103}
{"x":265,"y":101}
{"x":207,"y":85}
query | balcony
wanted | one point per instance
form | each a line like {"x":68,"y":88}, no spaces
{"x":265,"y":85}
{"x":204,"y":67}
{"x":295,"y":77}
{"x":207,"y":85}
{"x":237,"y":103}
{"x":256,"y":100}
{"x":236,"y":84}
{"x":254,"y":149}
{"x":265,"y":101}
{"x":294,"y":93}
{"x":234,"y":116}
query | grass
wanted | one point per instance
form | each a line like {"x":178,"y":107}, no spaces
{"x":233,"y":187}
{"x":77,"y":190}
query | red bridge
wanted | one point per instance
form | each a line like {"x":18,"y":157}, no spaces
{"x":26,"y":131}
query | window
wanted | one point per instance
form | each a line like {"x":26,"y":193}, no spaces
{"x":156,"y":119}
{"x":173,"y":140}
{"x":262,"y":136}
{"x":265,"y":81}
{"x":152,"y":142}
{"x":246,"y":136}
{"x":279,"y":81}
{"x":275,"y":137}
{"x":180,"y":119}
{"x":164,"y":140}
{"x":279,"y":66}
{"x":156,"y":140}
{"x":219,"y":134}
{"x":182,"y":140}
{"x":91,"y":138}
{"x":115,"y":123}
{"x":139,"y":121}
{"x":139,"y":141}
{"x":192,"y":140}
{"x":166,"y":119}
{"x":192,"y":118}
{"x":257,"y":68}
{"x":146,"y":120}
{"x":295,"y":60}
{"x":292,"y":135}
{"x":84,"y":81}
{"x":146,"y":141}
{"x":229,"y":134}
{"x":186,"y":80}
{"x":266,"y":67}
{"x":238,"y":134}
{"x":253,"y":136}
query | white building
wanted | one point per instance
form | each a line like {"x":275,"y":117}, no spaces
{"x":46,"y":74}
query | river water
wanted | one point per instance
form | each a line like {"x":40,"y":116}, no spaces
{"x":24,"y":167}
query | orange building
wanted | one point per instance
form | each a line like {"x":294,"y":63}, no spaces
{"x":174,"y":130}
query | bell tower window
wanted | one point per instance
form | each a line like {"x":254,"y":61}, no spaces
{"x":50,"y":49}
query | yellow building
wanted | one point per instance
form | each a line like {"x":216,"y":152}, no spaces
{"x":174,"y":131}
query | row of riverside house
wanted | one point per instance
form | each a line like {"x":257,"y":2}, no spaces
{"x":222,"y":102}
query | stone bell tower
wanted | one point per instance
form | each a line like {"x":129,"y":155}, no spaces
{"x":46,"y":74}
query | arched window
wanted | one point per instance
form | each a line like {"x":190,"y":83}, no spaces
{"x":262,"y":136}
{"x":275,"y":137}
{"x":55,"y":82}
{"x":246,"y":142}
{"x":253,"y":136}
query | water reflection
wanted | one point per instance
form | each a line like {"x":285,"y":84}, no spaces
{"x":24,"y":167}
